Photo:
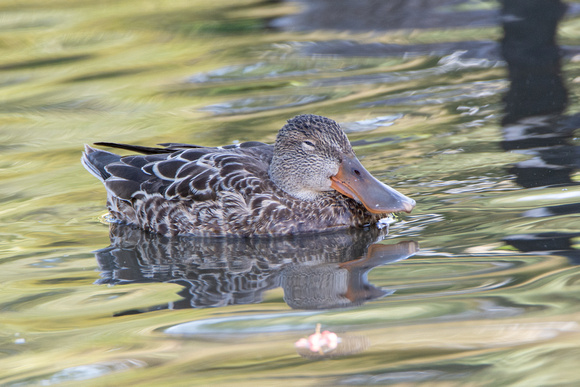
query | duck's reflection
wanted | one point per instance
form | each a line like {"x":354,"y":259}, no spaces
{"x":316,"y":272}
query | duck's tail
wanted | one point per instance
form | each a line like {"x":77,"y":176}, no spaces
{"x":95,"y":161}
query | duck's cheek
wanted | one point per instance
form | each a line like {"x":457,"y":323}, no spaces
{"x":328,"y":180}
{"x":327,"y":185}
{"x":320,"y":184}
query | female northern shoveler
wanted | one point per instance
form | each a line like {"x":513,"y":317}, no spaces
{"x":309,"y":180}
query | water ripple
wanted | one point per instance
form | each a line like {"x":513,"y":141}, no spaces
{"x":82,"y":372}
{"x":259,"y":104}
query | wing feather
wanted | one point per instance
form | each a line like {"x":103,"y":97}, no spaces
{"x":189,"y":173}
{"x":126,"y":172}
{"x":121,"y":188}
{"x":167,"y":170}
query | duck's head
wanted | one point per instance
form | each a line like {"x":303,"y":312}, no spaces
{"x":313,"y":155}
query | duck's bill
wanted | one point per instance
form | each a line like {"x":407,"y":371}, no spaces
{"x":354,"y":181}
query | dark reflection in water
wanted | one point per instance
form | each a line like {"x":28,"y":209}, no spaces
{"x":533,"y":123}
{"x":533,"y":58}
{"x":316,"y":271}
{"x":385,"y":15}
{"x":380,"y":15}
{"x":410,"y":15}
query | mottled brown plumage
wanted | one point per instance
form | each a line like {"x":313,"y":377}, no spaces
{"x":310,"y":180}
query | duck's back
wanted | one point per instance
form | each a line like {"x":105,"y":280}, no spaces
{"x":186,"y":189}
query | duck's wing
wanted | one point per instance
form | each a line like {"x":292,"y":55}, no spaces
{"x":180,"y":171}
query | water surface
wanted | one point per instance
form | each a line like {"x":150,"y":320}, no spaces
{"x":491,"y":297}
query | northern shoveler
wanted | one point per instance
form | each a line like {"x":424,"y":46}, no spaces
{"x":308,"y":181}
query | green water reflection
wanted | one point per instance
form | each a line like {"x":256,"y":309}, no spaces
{"x":470,"y":308}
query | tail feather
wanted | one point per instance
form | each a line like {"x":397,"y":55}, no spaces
{"x":95,"y":161}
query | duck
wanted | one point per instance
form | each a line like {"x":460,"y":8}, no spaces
{"x":309,"y":180}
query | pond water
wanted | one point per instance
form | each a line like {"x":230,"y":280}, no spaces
{"x":479,"y":285}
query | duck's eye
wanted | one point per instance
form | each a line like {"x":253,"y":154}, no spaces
{"x":308,"y":146}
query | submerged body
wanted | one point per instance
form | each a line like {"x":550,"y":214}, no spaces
{"x":308,"y":181}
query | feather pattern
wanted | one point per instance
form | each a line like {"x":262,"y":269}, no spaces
{"x":180,"y":189}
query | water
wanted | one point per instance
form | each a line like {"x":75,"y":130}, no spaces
{"x":491,"y":297}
